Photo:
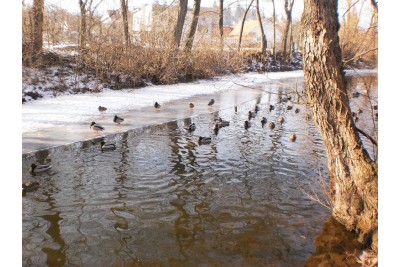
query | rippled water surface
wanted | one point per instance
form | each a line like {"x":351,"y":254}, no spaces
{"x":161,"y":199}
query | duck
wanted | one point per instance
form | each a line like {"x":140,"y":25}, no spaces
{"x":216,"y":129}
{"x":30,"y":186}
{"x":252,"y":115}
{"x":247,"y":125}
{"x":292,"y":137}
{"x":271,"y":107}
{"x":356,"y":94}
{"x":221,"y":123}
{"x":118,"y":120}
{"x":281,"y":120}
{"x":289,"y":107}
{"x":96,"y":127}
{"x":271,"y":125}
{"x":289,"y":97}
{"x":263,"y":121}
{"x":191,"y":105}
{"x":101,"y":109}
{"x":376,"y":116}
{"x":156,"y":105}
{"x":211,"y":102}
{"x":235,"y":108}
{"x":296,"y":110}
{"x":204,"y":140}
{"x":256,"y":109}
{"x":108,"y":146}
{"x":359,"y":111}
{"x":39,"y":168}
{"x":375,"y":107}
{"x":191,"y":127}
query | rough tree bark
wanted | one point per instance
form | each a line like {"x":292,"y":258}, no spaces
{"x":274,"y":25}
{"x":262,"y":34}
{"x":38,"y":14}
{"x":82,"y":26}
{"x":221,"y":24}
{"x":242,"y":25}
{"x":193,"y":25}
{"x":288,"y":12}
{"x":180,"y":22}
{"x":354,"y":176}
{"x":124,"y":11}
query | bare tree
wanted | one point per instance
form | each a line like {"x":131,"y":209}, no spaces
{"x":354,"y":176}
{"x":193,"y":25}
{"x":82,"y":25}
{"x":221,"y":23}
{"x":124,"y":11}
{"x":182,"y":10}
{"x":262,"y":34}
{"x":274,"y":25}
{"x":242,"y":25}
{"x":288,"y":12}
{"x":38,"y":15}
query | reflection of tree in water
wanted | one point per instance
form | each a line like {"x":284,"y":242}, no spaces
{"x":335,"y":246}
{"x":55,"y":257}
{"x":189,"y":191}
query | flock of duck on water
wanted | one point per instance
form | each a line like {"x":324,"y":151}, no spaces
{"x":218,"y":123}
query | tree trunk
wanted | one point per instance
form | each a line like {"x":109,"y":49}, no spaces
{"x":242,"y":25}
{"x":82,"y":26}
{"x":274,"y":23}
{"x":354,"y":176}
{"x":193,"y":25}
{"x":288,"y":12}
{"x":180,"y":22}
{"x":221,"y":24}
{"x":38,"y":14}
{"x":262,"y":35}
{"x":124,"y":9}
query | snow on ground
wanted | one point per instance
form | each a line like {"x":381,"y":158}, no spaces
{"x":69,"y":108}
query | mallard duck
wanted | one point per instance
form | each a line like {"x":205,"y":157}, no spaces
{"x":289,"y":107}
{"x":204,"y":140}
{"x":289,"y":97}
{"x":211,"y":102}
{"x":96,"y":127}
{"x":247,"y":125}
{"x":30,"y":186}
{"x":252,"y":115}
{"x":263,"y":121}
{"x":281,"y":120}
{"x":105,"y":146}
{"x":356,"y":94}
{"x":39,"y":168}
{"x":296,"y":110}
{"x":191,"y":127}
{"x":118,"y":120}
{"x":156,"y":105}
{"x":101,"y":109}
{"x":292,"y":137}
{"x":256,"y":109}
{"x":191,"y":105}
{"x":271,"y":107}
{"x":221,"y":123}
{"x":359,"y":111}
{"x":271,"y":125}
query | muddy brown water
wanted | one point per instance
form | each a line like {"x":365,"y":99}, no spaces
{"x":161,"y":199}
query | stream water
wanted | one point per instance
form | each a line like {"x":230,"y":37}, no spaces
{"x":162,"y":199}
